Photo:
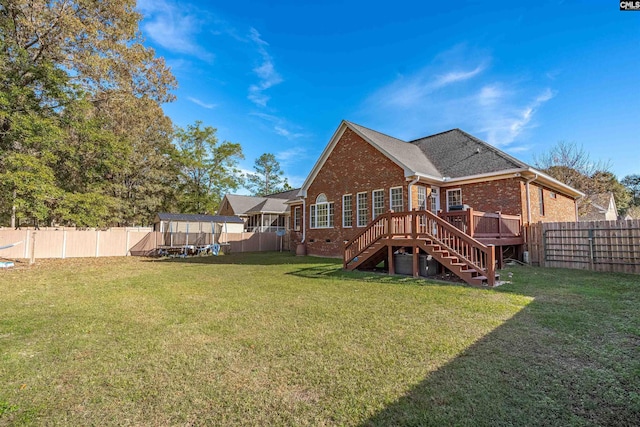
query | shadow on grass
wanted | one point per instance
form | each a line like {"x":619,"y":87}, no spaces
{"x":567,"y":358}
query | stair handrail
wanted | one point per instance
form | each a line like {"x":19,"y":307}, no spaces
{"x":489,"y":251}
{"x":410,"y":221}
{"x":357,"y":237}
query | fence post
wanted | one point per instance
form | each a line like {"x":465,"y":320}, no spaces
{"x":64,"y":244}
{"x":97,"y":242}
{"x":126,"y":245}
{"x":32,"y":259}
{"x":591,"y":249}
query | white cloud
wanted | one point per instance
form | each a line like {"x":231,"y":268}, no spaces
{"x":457,"y":76}
{"x":457,"y":90}
{"x":414,"y":90}
{"x":266,"y":72}
{"x":201,"y":103}
{"x":290,"y":155}
{"x":280,"y":126}
{"x":173,"y":27}
{"x":503,"y":123}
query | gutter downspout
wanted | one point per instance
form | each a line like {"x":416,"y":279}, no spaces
{"x":529,"y":197}
{"x":409,"y":190}
{"x":304,"y":219}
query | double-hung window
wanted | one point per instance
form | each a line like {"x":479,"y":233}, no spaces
{"x":347,"y":210}
{"x":363,"y":209}
{"x":296,"y":218}
{"x":378,"y":202}
{"x":422,"y":198}
{"x":454,"y":198}
{"x":395,"y":197}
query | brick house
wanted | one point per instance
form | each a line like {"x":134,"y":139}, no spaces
{"x":362,"y":174}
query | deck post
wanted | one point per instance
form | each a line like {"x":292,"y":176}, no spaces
{"x":470,"y":225}
{"x":499,"y":224}
{"x":414,"y":223}
{"x":491,"y":266}
{"x":390,"y":260}
{"x":416,"y":269}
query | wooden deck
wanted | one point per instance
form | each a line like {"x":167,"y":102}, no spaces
{"x":422,"y":231}
{"x":495,"y":229}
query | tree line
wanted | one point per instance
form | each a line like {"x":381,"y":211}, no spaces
{"x":569,"y":163}
{"x":83,"y":138}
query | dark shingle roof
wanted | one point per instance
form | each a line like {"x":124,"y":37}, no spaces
{"x":166,"y":216}
{"x":455,"y":153}
{"x":288,"y":195}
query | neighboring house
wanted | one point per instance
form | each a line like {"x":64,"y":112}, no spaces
{"x":600,"y":207}
{"x":260,"y":214}
{"x":362,"y":174}
{"x":165,"y":222}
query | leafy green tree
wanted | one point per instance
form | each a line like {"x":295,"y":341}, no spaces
{"x":268,"y":178}
{"x":68,"y":69}
{"x":632,"y":183}
{"x":208,"y":169}
{"x":607,"y":182}
{"x":569,"y":163}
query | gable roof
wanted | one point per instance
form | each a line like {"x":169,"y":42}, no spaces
{"x":166,"y":216}
{"x":598,"y":206}
{"x":453,"y":155}
{"x":271,"y":203}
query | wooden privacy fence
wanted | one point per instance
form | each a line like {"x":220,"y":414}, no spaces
{"x":67,"y":243}
{"x":71,"y":243}
{"x":590,"y":245}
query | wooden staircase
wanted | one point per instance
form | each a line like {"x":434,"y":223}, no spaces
{"x":423,"y":231}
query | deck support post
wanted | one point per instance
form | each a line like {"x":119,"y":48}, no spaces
{"x":491,"y":266}
{"x":392,"y":269}
{"x":416,"y":264}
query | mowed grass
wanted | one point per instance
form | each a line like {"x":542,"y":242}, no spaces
{"x":273,"y":339}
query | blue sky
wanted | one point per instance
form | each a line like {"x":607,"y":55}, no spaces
{"x":279,"y":76}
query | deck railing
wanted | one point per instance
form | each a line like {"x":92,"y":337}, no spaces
{"x":426,"y":226}
{"x":485,"y":225}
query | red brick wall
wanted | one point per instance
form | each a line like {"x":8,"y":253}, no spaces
{"x":502,"y":195}
{"x":353,"y":166}
{"x":509,"y":196}
{"x":558,"y":209}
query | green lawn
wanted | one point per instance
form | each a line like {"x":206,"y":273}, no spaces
{"x":272,"y":339}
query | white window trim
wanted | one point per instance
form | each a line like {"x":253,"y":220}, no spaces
{"x":373,"y":201}
{"x":296,"y":219}
{"x":315,"y":207}
{"x":452,"y":190}
{"x":343,"y":225}
{"x":401,"y":198}
{"x":358,"y":208}
{"x":424,"y":189}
